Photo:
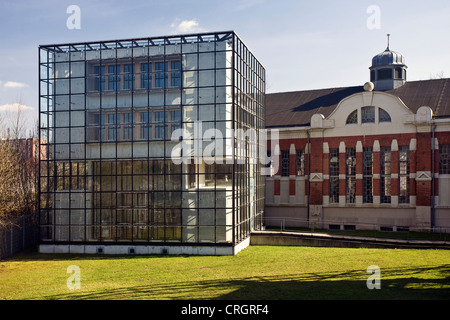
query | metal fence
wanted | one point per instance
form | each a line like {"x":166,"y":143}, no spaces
{"x":18,"y":235}
{"x":441,"y":233}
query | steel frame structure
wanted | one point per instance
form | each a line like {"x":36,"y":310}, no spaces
{"x":129,"y":191}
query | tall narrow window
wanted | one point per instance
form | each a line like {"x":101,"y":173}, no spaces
{"x":350,"y":175}
{"x":161,"y":125}
{"x":403,"y":174}
{"x":334,"y":175}
{"x":444,"y":159}
{"x":385,"y":177}
{"x":175,"y":120}
{"x":114,"y":77}
{"x":300,"y":163}
{"x":99,"y":80}
{"x":146,"y":75}
{"x":367,"y":175}
{"x":112,"y":126}
{"x":285,"y":163}
{"x":128,"y":128}
{"x":128,"y":77}
{"x":161,"y":74}
{"x":398,"y":73}
{"x":146,"y":127}
{"x":102,"y":126}
{"x":175,"y":75}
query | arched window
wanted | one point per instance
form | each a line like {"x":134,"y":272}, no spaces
{"x":368,"y":115}
{"x":352,"y":118}
{"x":384,"y":116}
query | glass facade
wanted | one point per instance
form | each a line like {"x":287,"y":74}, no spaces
{"x":112,"y":118}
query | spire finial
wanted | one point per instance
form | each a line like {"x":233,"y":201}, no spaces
{"x":388,"y":36}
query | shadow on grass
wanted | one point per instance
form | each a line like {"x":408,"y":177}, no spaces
{"x":33,"y":255}
{"x":407,"y":284}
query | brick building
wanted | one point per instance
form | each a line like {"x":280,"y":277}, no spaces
{"x":367,"y":157}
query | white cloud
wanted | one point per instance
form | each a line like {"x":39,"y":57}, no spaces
{"x":14,"y":107}
{"x":13,"y":84}
{"x":186,"y":26}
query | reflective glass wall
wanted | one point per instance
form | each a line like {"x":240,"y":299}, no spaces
{"x":141,"y":145}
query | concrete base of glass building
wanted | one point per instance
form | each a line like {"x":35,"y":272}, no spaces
{"x":115,"y":249}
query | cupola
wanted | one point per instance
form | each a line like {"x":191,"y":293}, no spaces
{"x":388,"y":70}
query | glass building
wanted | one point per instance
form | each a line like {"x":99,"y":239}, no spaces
{"x":142,"y":154}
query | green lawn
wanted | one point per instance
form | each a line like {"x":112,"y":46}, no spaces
{"x":258,"y":272}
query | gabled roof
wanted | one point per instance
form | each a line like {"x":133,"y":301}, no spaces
{"x":295,"y":108}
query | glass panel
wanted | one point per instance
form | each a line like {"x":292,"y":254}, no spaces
{"x":352,"y":118}
{"x":368,"y":114}
{"x":114,"y":77}
{"x":385,"y":181}
{"x":128,"y":77}
{"x":350,"y":175}
{"x":384,"y":116}
{"x":444,"y":158}
{"x":285,"y":163}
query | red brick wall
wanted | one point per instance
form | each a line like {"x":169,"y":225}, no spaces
{"x":420,"y":160}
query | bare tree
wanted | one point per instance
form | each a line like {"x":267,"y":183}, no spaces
{"x":18,"y":169}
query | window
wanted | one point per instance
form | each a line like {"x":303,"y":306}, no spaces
{"x":384,"y":74}
{"x":444,"y":159}
{"x":128,"y":77}
{"x":398,"y":73}
{"x":146,"y":75}
{"x":146,"y":127}
{"x":352,"y":118}
{"x":334,"y":175}
{"x":372,"y":76}
{"x":121,"y":126}
{"x":403,"y":174}
{"x":285,"y":163}
{"x":161,"y":125}
{"x":161,"y":74}
{"x":385,"y":177}
{"x":300,"y":163}
{"x":153,"y":75}
{"x":100,"y":80}
{"x":383,"y":116}
{"x":114,"y":77}
{"x":175,"y":120}
{"x":368,"y":115}
{"x":175,"y":77}
{"x":128,"y":128}
{"x":111,"y":126}
{"x":269,"y":161}
{"x":350,"y":175}
{"x":367,"y":175}
{"x":96,"y":127}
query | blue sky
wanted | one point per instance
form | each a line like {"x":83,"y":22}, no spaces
{"x":302,"y":44}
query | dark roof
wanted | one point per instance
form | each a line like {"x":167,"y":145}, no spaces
{"x":295,"y":108}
